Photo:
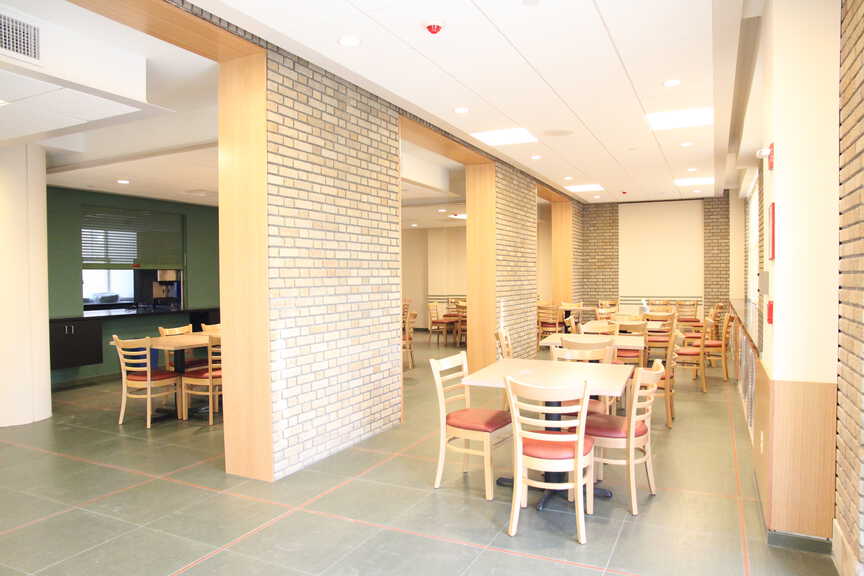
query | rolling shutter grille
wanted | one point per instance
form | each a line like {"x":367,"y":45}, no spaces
{"x":123,"y":238}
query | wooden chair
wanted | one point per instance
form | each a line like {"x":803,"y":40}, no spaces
{"x":600,"y":327}
{"x":486,"y":426}
{"x":205,"y":381}
{"x":503,"y":343}
{"x":659,"y":302}
{"x":688,"y":313}
{"x":604,"y":313}
{"x":550,"y":320}
{"x":564,"y":449}
{"x":211,"y":328}
{"x":661,"y":309}
{"x":169,"y":358}
{"x":600,"y":350}
{"x":719,"y":349}
{"x":666,"y":386}
{"x":140,"y":380}
{"x":408,"y":339}
{"x":633,"y":328}
{"x":657,"y":340}
{"x":461,"y":325}
{"x":692,"y":354}
{"x":629,"y":433}
{"x":609,"y":304}
{"x":436,"y":324}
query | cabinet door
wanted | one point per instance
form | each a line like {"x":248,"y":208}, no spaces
{"x":57,"y":332}
{"x":75,"y":343}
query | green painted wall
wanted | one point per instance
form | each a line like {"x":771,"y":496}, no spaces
{"x":201,"y":278}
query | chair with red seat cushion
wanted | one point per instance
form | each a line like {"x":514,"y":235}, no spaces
{"x":465,"y":425}
{"x":719,"y":349}
{"x":565,"y":449}
{"x":588,"y":348}
{"x":206,"y":381}
{"x":550,"y":320}
{"x":139,"y":380}
{"x":633,"y":328}
{"x":630,"y":433}
{"x":692,"y":355}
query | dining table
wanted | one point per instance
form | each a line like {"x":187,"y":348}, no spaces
{"x":602,"y":380}
{"x":620,"y":341}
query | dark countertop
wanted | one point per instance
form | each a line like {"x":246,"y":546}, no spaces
{"x":127,"y":313}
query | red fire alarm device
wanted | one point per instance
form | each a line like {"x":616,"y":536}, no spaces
{"x":770,"y":312}
{"x":771,"y":157}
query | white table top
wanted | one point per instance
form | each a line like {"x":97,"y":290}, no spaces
{"x":622,"y":342}
{"x":594,"y":324}
{"x":603,"y":379}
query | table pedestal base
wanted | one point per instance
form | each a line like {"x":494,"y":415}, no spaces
{"x":599,"y":491}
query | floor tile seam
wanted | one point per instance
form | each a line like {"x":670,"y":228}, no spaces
{"x":89,"y":548}
{"x":742,"y":522}
{"x":474,"y":560}
{"x":614,"y":546}
{"x":350,"y":551}
{"x":80,"y":459}
{"x":133,"y":436}
{"x":230,"y":543}
{"x":16,"y":570}
{"x":387,"y":453}
{"x":81,"y":505}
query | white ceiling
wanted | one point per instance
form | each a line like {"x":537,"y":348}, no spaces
{"x":190,"y":176}
{"x":579,"y":74}
{"x":429,"y":216}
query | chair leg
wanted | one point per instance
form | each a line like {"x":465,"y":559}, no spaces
{"x":515,"y":501}
{"x":571,"y":493}
{"x":487,"y":468}
{"x":704,"y":381}
{"x":465,"y":462}
{"x":122,"y":407}
{"x":580,"y":515}
{"x":667,"y":392}
{"x":442,"y":451}
{"x":525,"y":490}
{"x":725,"y":365}
{"x":598,"y":466}
{"x":210,"y":405}
{"x":631,"y":481}
{"x":649,"y":469}
{"x":588,"y":483}
{"x":149,"y":409}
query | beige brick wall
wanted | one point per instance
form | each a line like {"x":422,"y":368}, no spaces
{"x":850,"y":397}
{"x":599,"y":252}
{"x":578,"y":238}
{"x":715,"y":217}
{"x":516,"y":256}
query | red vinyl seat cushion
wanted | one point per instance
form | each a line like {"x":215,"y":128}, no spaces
{"x":713,"y":343}
{"x":628,"y":353}
{"x":660,"y":339}
{"x":688,"y":351}
{"x":479,"y":419}
{"x":550,"y":324}
{"x":548,"y":450}
{"x":688,"y":320}
{"x":611,"y":426}
{"x":203,"y":373}
{"x":154,"y":375}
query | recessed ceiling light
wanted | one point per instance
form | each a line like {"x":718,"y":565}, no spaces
{"x":671,"y":83}
{"x":413,"y":225}
{"x":349,"y":41}
{"x":691,"y":169}
{"x":441,"y":210}
{"x":461,"y":110}
{"x":706,"y":180}
{"x":3,"y":102}
{"x":505,"y":136}
{"x":585,"y":188}
{"x":686,"y":144}
{"x":459,"y":216}
{"x":536,"y":157}
{"x":568,"y":178}
{"x":697,"y":191}
{"x":686,"y":118}
{"x":122,"y":181}
{"x":596,"y":197}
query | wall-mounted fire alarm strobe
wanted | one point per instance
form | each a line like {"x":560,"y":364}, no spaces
{"x":433,"y":28}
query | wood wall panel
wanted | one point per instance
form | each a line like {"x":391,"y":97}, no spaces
{"x":480,"y":256}
{"x":562,"y":251}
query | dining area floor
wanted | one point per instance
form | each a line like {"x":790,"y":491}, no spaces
{"x":81,"y":495}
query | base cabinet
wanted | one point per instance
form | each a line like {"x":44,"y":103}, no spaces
{"x":75,"y":343}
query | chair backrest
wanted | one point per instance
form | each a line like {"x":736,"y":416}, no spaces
{"x":727,"y":329}
{"x":447,"y":374}
{"x":187,"y":329}
{"x":688,"y":309}
{"x":612,"y":303}
{"x":658,"y":302}
{"x":604,"y":313}
{"x":134,"y":355}
{"x":549,"y":314}
{"x":431,"y":312}
{"x":409,"y":326}
{"x":652,"y":316}
{"x":214,"y":354}
{"x":641,"y":394}
{"x":635,"y":327}
{"x":586,"y":341}
{"x":503,"y":343}
{"x":530,"y":412}
{"x":661,"y":309}
{"x":605,"y":355}
{"x":599,"y":327}
{"x":211,"y":327}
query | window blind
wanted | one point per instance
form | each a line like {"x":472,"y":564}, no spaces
{"x":123,"y":238}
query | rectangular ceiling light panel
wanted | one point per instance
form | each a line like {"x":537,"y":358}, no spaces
{"x":505,"y":137}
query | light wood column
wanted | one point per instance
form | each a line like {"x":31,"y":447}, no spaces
{"x":480,"y":233}
{"x":562,"y":251}
{"x":243,"y":266}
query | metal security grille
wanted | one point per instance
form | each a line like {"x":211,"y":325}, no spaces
{"x":18,"y":37}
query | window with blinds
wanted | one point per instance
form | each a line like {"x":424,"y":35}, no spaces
{"x":123,"y":238}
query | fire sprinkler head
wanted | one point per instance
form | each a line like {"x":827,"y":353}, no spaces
{"x":433,"y":28}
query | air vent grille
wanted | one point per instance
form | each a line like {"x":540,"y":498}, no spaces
{"x":19,"y":38}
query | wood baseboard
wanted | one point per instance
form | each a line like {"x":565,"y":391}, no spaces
{"x":844,"y":555}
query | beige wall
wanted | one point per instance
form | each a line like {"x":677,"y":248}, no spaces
{"x":414,"y":272}
{"x":446,"y":261}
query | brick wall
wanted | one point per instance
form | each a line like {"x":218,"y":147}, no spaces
{"x":850,"y":397}
{"x":516,"y":256}
{"x":599,"y":252}
{"x":578,"y":236}
{"x":715,"y":217}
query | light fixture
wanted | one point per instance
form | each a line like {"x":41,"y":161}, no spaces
{"x":441,"y":210}
{"x":686,"y":144}
{"x":122,"y":181}
{"x":686,"y":118}
{"x":458,"y":216}
{"x":349,"y":41}
{"x":585,"y":188}
{"x":568,"y":178}
{"x":691,"y":169}
{"x":697,"y":191}
{"x":3,"y":102}
{"x":461,"y":110}
{"x":413,"y":225}
{"x":671,"y":83}
{"x":596,"y":197}
{"x":505,"y":136}
{"x":699,"y":181}
{"x":536,"y":157}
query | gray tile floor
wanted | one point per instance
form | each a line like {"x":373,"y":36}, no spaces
{"x":80,"y":495}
